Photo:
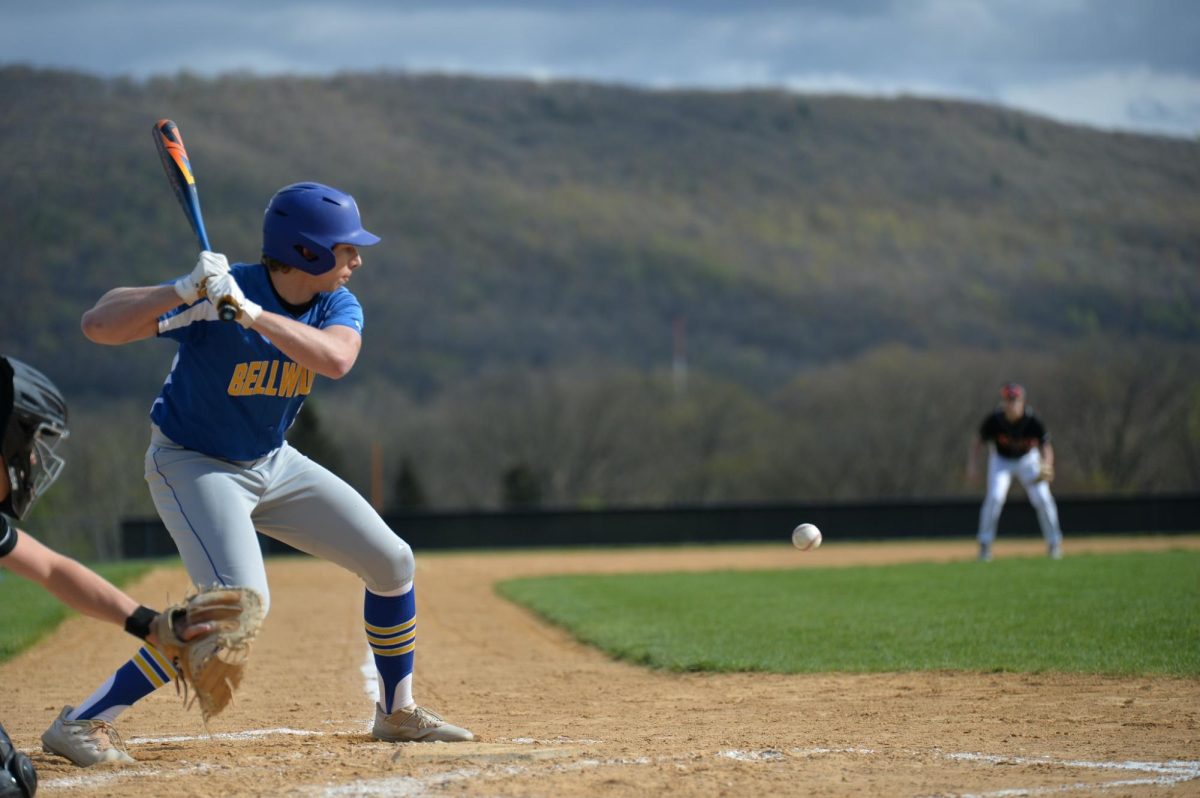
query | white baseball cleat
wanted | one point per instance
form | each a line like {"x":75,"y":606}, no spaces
{"x":985,"y":552}
{"x":84,"y":742}
{"x":1055,"y":551}
{"x":416,"y":724}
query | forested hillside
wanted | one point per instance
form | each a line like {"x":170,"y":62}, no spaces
{"x":855,"y":277}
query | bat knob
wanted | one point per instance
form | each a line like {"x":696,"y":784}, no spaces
{"x":227,"y":312}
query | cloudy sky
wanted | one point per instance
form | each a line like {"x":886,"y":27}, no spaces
{"x":1113,"y":64}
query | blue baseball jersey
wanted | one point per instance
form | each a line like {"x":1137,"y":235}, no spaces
{"x":231,"y":393}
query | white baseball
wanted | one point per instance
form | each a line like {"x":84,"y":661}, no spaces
{"x":806,"y":537}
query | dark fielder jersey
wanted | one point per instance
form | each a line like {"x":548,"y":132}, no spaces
{"x":1013,"y":438}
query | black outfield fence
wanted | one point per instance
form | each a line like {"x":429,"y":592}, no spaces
{"x":891,"y":520}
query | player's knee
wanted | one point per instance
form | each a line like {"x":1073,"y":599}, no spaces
{"x":395,"y":566}
{"x":1041,"y":499}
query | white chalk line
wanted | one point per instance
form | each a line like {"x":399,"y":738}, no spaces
{"x":753,"y":756}
{"x":406,"y":786}
{"x":242,"y":735}
{"x":1025,"y":792}
{"x":1165,"y":774}
{"x":370,"y":679}
{"x":1168,"y":774}
{"x":555,"y":741}
{"x":1174,"y":766}
{"x":124,"y":774}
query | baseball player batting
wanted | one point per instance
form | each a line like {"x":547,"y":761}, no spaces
{"x":1018,"y":445}
{"x":218,"y":466}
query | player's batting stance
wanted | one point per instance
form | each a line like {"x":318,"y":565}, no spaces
{"x":1019,"y":445}
{"x":218,"y":466}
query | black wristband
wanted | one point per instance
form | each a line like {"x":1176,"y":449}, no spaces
{"x":138,"y":624}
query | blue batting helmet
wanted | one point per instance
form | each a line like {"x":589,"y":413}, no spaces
{"x":311,"y":217}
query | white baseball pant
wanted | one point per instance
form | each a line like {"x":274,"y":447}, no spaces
{"x":999,"y":479}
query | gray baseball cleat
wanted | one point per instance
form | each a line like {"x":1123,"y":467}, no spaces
{"x":1054,"y":551}
{"x":416,"y":725}
{"x":985,"y":552}
{"x":84,"y":742}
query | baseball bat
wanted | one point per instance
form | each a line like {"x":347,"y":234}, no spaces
{"x":175,"y":163}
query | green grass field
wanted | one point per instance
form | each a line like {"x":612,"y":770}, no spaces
{"x":1133,"y":613}
{"x":27,"y":611}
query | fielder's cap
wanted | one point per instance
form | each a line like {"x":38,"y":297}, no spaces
{"x":1012,"y":390}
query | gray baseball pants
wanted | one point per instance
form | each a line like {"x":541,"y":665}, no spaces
{"x":212,"y":508}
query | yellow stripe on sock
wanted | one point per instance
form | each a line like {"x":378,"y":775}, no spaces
{"x":391,"y":641}
{"x":394,"y":652}
{"x":161,"y":659}
{"x":391,"y":630}
{"x":150,"y":674}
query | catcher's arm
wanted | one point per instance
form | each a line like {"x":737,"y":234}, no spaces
{"x":86,"y":591}
{"x":69,"y":581}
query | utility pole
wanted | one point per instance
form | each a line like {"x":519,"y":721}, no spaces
{"x":377,"y":476}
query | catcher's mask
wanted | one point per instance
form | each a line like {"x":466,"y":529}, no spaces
{"x":34,"y":415}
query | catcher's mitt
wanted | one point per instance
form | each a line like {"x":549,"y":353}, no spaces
{"x":212,"y":664}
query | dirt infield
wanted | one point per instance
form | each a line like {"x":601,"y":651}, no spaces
{"x":556,"y":718}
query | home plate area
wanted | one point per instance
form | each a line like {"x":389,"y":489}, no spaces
{"x":487,"y":768}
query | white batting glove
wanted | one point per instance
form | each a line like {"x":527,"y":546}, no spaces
{"x":191,"y":287}
{"x":224,"y":290}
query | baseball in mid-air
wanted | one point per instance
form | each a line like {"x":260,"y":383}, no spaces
{"x":806,"y":537}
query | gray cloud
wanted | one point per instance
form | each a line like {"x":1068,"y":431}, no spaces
{"x":1111,"y":64}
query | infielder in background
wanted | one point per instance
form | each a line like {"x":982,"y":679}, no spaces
{"x":218,"y":465}
{"x":33,"y":422}
{"x":1017,"y":444}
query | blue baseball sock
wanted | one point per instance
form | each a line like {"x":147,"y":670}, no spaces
{"x":391,"y":622}
{"x":136,"y":679}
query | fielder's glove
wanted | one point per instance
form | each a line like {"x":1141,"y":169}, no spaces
{"x":191,"y":287}
{"x":211,"y":665}
{"x":224,"y":290}
{"x":1046,"y":473}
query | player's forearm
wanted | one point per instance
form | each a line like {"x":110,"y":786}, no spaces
{"x":89,"y":593}
{"x":1048,"y":454}
{"x":330,"y":352}
{"x":70,"y":582}
{"x":128,"y":314}
{"x":973,"y":456}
